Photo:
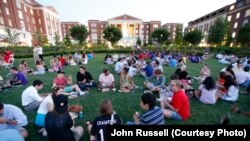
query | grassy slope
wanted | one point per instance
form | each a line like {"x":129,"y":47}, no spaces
{"x":124,"y":104}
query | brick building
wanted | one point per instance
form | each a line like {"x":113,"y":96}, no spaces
{"x":66,"y":27}
{"x":29,"y":18}
{"x":131,"y":27}
{"x":237,"y":14}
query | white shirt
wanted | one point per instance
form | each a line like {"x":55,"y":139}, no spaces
{"x":241,"y":77}
{"x":39,"y":50}
{"x":14,"y":113}
{"x":43,"y":108}
{"x":232,"y":94}
{"x":132,"y":71}
{"x":35,"y":50}
{"x":106,"y":79}
{"x":207,"y":97}
{"x":118,"y":67}
{"x":29,"y":95}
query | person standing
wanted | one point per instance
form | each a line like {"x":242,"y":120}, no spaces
{"x":40,"y":52}
{"x":35,"y":53}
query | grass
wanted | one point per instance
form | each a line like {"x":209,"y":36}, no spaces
{"x":124,"y":104}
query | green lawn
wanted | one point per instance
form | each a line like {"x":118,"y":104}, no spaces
{"x":124,"y":104}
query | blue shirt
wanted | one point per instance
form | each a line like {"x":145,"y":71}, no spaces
{"x":20,"y":76}
{"x":173,"y":63}
{"x":153,"y":116}
{"x":157,"y":81}
{"x":10,"y":135}
{"x":14,"y":113}
{"x":149,"y":70}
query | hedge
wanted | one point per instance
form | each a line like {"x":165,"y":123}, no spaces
{"x":24,"y":52}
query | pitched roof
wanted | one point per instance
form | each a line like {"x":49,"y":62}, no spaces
{"x":52,"y":9}
{"x":125,"y":17}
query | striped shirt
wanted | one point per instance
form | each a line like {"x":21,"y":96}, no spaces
{"x":153,"y":116}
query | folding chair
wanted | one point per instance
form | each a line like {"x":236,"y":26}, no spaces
{"x":9,"y":65}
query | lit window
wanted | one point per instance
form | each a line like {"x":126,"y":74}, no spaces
{"x":10,"y":23}
{"x":247,"y":13}
{"x":31,"y":11}
{"x":25,"y":8}
{"x":40,"y":21}
{"x":136,"y":31}
{"x":229,"y":18}
{"x":20,"y":14}
{"x":7,"y":11}
{"x":236,"y":25}
{"x":155,"y":25}
{"x":1,"y":20}
{"x":5,"y":1}
{"x":147,"y":26}
{"x":238,"y":15}
{"x":233,"y":35}
{"x":231,"y":7}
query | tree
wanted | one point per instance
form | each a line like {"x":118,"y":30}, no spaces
{"x":40,"y":39}
{"x":112,"y":34}
{"x":79,"y":33}
{"x":178,"y":35}
{"x":67,"y":40}
{"x":138,"y":42}
{"x":12,"y":36}
{"x":244,"y":36}
{"x":57,"y":38}
{"x":193,"y":37}
{"x":218,"y":32}
{"x":160,"y":35}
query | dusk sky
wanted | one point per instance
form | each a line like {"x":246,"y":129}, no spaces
{"x":166,"y":11}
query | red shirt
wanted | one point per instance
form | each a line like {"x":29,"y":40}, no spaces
{"x":62,"y":60}
{"x":180,"y":101}
{"x":6,"y":58}
{"x":60,"y":82}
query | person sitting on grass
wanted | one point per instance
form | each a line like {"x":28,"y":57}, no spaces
{"x":205,"y":72}
{"x":84,"y":79}
{"x":232,"y":90}
{"x":31,"y":100}
{"x":152,"y":115}
{"x":46,"y":106}
{"x":179,"y":107}
{"x":12,"y":117}
{"x":40,"y":69}
{"x":106,"y":81}
{"x":18,"y":79}
{"x":24,"y":67}
{"x":156,"y":82}
{"x":148,"y":71}
{"x":98,"y":128}
{"x":62,"y":81}
{"x":58,"y":123}
{"x":207,"y":91}
{"x":126,"y":82}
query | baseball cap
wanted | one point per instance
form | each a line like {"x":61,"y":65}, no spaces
{"x":61,"y":103}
